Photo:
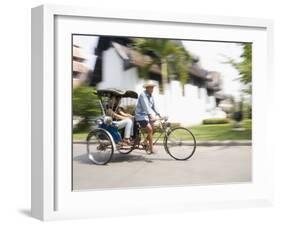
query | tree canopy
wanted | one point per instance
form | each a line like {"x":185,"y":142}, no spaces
{"x":245,"y":66}
{"x":169,"y":54}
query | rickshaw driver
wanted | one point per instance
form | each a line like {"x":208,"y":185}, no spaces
{"x":145,"y":112}
{"x":121,"y":118}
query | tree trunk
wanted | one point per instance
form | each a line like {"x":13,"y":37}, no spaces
{"x":164,"y":74}
{"x":182,"y":90}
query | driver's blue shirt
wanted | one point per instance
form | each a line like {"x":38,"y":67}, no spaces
{"x":145,"y":106}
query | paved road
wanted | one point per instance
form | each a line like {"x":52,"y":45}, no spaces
{"x":209,"y":165}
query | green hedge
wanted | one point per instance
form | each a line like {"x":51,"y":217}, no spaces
{"x":215,"y":121}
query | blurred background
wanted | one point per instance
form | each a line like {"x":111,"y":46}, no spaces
{"x":200,"y":84}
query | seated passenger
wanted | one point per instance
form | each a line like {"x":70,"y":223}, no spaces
{"x":120,"y":118}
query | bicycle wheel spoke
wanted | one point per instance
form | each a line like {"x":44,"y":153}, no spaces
{"x":174,"y":140}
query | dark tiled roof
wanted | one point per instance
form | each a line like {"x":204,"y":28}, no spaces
{"x":133,"y":58}
{"x":215,"y":83}
{"x":197,"y":71}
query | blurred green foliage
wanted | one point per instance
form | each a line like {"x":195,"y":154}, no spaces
{"x":244,"y":67}
{"x":85,"y":104}
{"x":216,"y":121}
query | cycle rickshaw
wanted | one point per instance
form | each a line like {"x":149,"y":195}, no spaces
{"x":104,"y":138}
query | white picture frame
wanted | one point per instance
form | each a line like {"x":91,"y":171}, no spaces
{"x":53,"y":199}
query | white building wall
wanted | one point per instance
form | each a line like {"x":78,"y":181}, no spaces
{"x":114,"y":75}
{"x":188,"y":110}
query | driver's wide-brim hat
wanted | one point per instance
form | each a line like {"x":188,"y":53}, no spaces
{"x":149,"y":84}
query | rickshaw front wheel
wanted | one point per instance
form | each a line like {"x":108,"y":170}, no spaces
{"x":100,"y":146}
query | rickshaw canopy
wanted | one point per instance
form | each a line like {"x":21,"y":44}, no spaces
{"x":117,"y":92}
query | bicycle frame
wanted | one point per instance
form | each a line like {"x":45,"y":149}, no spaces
{"x":163,"y":130}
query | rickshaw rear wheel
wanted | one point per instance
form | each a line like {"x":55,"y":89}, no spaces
{"x":100,"y":146}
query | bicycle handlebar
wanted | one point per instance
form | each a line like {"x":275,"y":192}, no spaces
{"x":164,"y":118}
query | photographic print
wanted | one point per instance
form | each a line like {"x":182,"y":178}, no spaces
{"x":132,"y":108}
{"x":150,"y":112}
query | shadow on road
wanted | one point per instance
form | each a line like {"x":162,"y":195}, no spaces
{"x":118,"y":158}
